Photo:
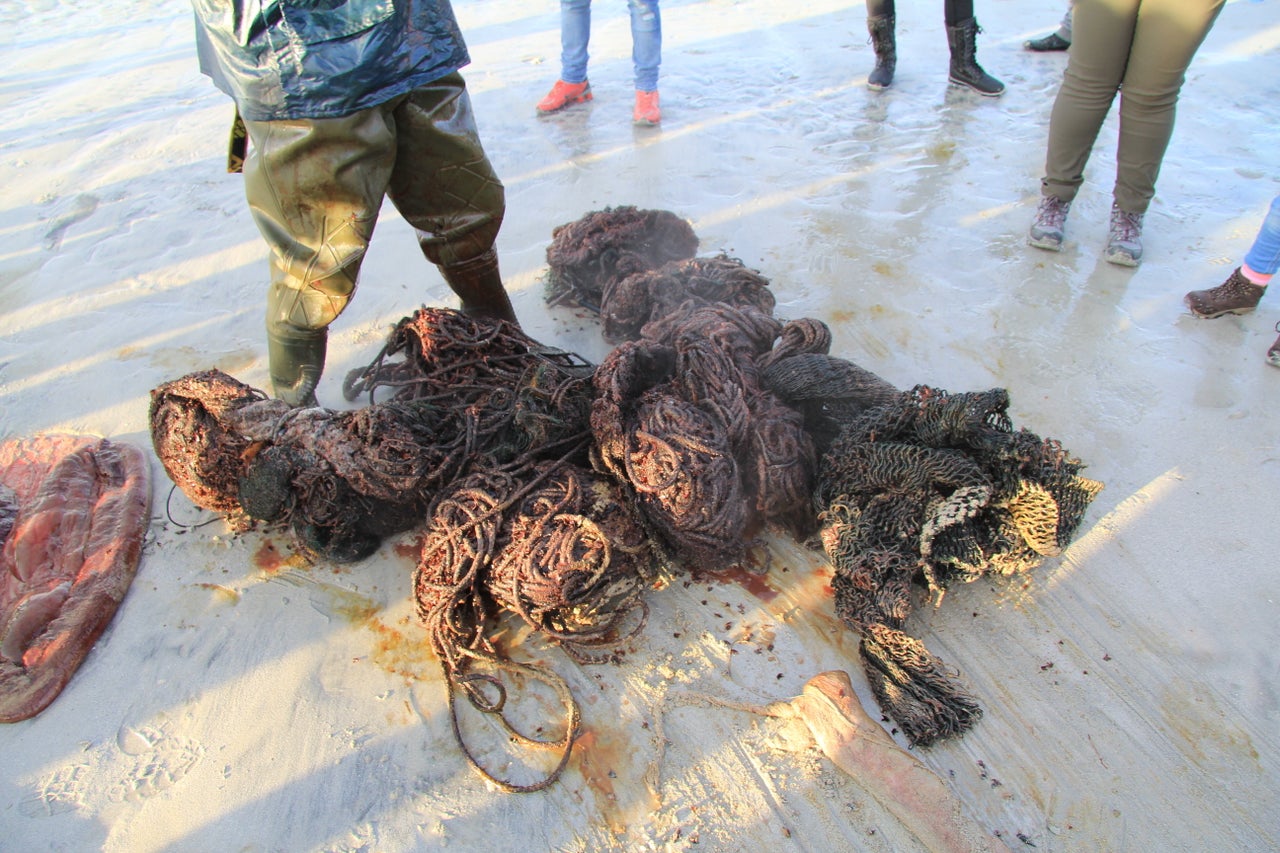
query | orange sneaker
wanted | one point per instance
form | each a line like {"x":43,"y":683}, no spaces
{"x":564,"y":94}
{"x":646,"y":112}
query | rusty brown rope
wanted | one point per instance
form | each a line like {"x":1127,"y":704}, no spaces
{"x":552,"y":543}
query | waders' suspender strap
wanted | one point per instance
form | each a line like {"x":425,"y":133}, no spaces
{"x":237,"y":145}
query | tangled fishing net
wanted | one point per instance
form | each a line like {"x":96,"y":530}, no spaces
{"x":549,"y":488}
{"x":592,"y":253}
{"x":936,"y":486}
{"x":483,"y":434}
{"x":714,"y":414}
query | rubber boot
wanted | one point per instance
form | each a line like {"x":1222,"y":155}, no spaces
{"x":479,"y":286}
{"x":296,"y":360}
{"x":885,"y":45}
{"x":965,"y":70}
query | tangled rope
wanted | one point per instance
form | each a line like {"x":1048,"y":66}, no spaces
{"x":554,"y":544}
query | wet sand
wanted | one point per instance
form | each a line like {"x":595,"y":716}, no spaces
{"x":243,"y":700}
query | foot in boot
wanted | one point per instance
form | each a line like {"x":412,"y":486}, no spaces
{"x":295,"y":357}
{"x":965,"y":70}
{"x":1236,"y":295}
{"x":1124,"y":241}
{"x":1048,"y":229}
{"x":883,"y":41}
{"x":1273,"y":354}
{"x":1047,"y":44}
{"x":478,"y":284}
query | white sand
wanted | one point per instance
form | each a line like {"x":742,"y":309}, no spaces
{"x":1131,"y":687}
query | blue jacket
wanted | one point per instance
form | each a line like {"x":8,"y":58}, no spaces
{"x":282,"y":59}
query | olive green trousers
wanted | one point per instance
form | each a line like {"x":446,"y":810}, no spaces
{"x":315,"y":187}
{"x":1139,"y":49}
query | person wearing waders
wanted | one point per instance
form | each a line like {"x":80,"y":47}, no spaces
{"x":344,"y":102}
{"x":962,"y":38}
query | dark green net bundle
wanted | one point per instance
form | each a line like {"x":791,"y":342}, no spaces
{"x":936,"y":488}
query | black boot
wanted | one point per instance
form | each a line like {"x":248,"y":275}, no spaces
{"x":479,"y":286}
{"x":965,"y":70}
{"x":296,"y":359}
{"x":886,"y":48}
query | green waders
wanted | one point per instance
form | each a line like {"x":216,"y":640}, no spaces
{"x":315,"y":187}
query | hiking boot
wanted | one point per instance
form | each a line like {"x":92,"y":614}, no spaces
{"x":1049,"y":227}
{"x":646,"y":113}
{"x":1236,"y":295}
{"x":563,"y":95}
{"x":1047,"y":44}
{"x":1124,"y":243}
{"x":881,"y":29}
{"x":965,"y":70}
{"x":1273,"y":354}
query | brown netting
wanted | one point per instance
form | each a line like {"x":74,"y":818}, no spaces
{"x":549,"y":486}
{"x":939,"y":488}
{"x":629,"y":303}
{"x":508,"y":393}
{"x":200,"y":449}
{"x":605,"y":246}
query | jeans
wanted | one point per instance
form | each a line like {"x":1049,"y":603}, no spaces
{"x":646,"y":41}
{"x":1264,"y":256}
{"x":1140,"y":50}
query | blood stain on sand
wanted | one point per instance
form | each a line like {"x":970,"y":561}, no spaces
{"x":607,"y":766}
{"x":269,"y":560}
{"x":755,"y":583}
{"x":398,"y":652}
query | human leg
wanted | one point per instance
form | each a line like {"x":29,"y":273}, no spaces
{"x":575,"y":33}
{"x":1244,"y":288}
{"x":1089,"y":87}
{"x":314,"y":188}
{"x":962,"y":36}
{"x":646,"y":42}
{"x":1264,"y":255}
{"x":646,"y":56}
{"x":881,"y":23}
{"x":445,"y":187}
{"x":1166,"y":36}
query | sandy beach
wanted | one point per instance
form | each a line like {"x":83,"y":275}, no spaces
{"x":243,"y":699}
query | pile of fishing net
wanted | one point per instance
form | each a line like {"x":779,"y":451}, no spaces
{"x":548,"y":488}
{"x":555,"y":543}
{"x":483,"y":437}
{"x":939,"y":487}
{"x":714,"y":413}
{"x":467,"y":392}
